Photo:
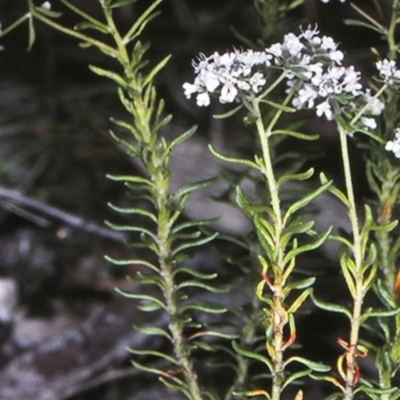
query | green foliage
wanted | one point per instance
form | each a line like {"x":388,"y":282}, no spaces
{"x":279,"y":206}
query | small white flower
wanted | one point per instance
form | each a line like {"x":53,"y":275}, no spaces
{"x":376,"y":106}
{"x":327,"y":43}
{"x":369,"y":123}
{"x":388,"y":71}
{"x":275,"y":49}
{"x":336,"y":56}
{"x":394,"y":145}
{"x":189,"y":89}
{"x":210,"y":80}
{"x":292,"y":44}
{"x":228,"y":93}
{"x":46,"y":5}
{"x":256,"y":81}
{"x":203,"y":99}
{"x":325,"y":109}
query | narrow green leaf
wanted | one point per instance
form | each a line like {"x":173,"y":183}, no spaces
{"x":32,"y":34}
{"x":141,"y":22}
{"x":335,"y":191}
{"x":214,"y":333}
{"x":150,"y":77}
{"x":307,"y":247}
{"x":152,"y":330}
{"x":160,"y":373}
{"x":384,"y":295}
{"x":372,"y":135}
{"x":370,"y":280}
{"x":130,"y":178}
{"x":299,"y":301}
{"x":124,"y":210}
{"x":279,"y":106}
{"x":229,"y":113}
{"x":205,"y":307}
{"x":133,"y":150}
{"x":121,"y":3}
{"x":197,"y":284}
{"x":314,"y":366}
{"x":303,"y":284}
{"x":91,"y":25}
{"x":330,"y":307}
{"x":296,"y":228}
{"x":371,"y":313}
{"x":141,"y":296}
{"x":194,"y":224}
{"x":296,"y":177}
{"x":153,"y":353}
{"x":252,"y":355}
{"x":355,"y":22}
{"x":233,"y":160}
{"x":252,"y":393}
{"x":196,"y":274}
{"x":179,"y":387}
{"x":110,"y":75}
{"x":133,"y":262}
{"x":132,"y":229}
{"x":347,"y":266}
{"x":195,"y":243}
{"x":147,"y":279}
{"x":182,"y":138}
{"x":297,"y":135}
{"x":48,"y":13}
{"x":296,"y":376}
{"x":305,"y":200}
{"x":191,"y":187}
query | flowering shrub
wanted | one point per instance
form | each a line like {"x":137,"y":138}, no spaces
{"x":266,"y":86}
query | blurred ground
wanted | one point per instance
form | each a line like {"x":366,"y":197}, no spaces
{"x":63,"y":331}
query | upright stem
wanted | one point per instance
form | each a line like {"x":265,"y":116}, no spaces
{"x":278,"y":314}
{"x":357,"y":273}
{"x":160,"y":176}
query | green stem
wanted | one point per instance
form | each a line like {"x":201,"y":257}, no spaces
{"x":391,"y":31}
{"x":270,"y":88}
{"x":160,"y":176}
{"x":88,"y":17}
{"x":358,"y":296}
{"x":278,"y":312}
{"x":100,"y":45}
{"x":19,"y":21}
{"x":366,"y":106}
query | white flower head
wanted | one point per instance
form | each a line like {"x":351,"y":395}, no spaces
{"x":325,"y":109}
{"x":203,"y":99}
{"x":369,"y":123}
{"x":230,"y":75}
{"x":394,"y":145}
{"x":388,"y":72}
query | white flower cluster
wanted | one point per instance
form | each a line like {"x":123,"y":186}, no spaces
{"x":394,"y":145}
{"x":388,"y":72}
{"x":325,"y":85}
{"x":229,"y":74}
{"x":314,"y":61}
{"x":299,"y":54}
